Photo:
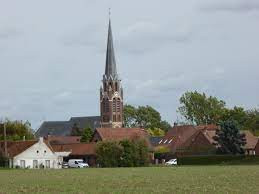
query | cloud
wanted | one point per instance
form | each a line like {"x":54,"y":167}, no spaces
{"x":232,"y":6}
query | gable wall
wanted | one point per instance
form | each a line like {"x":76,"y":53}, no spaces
{"x":40,"y":152}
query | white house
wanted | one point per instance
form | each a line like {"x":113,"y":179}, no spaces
{"x":34,"y":154}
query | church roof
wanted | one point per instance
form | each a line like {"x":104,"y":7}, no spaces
{"x":110,"y":66}
{"x":64,"y":128}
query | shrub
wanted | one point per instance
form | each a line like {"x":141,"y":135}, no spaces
{"x":122,"y":154}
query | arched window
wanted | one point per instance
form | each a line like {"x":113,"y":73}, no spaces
{"x":116,"y":86}
{"x":114,"y":105}
{"x":119,"y":118}
{"x":114,"y":118}
{"x":118,"y":105}
{"x":106,"y":107}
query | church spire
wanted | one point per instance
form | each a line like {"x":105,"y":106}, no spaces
{"x":110,"y":66}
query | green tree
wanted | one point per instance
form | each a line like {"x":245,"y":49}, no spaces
{"x":144,"y":116}
{"x":125,"y":153}
{"x":201,"y":109}
{"x":87,"y":135}
{"x":252,"y":122}
{"x":109,"y":154}
{"x":16,"y":130}
{"x":228,"y":138}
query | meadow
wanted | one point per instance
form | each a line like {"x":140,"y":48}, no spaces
{"x":180,"y":179}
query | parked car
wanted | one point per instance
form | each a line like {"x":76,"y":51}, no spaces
{"x":77,"y":163}
{"x":64,"y":165}
{"x":171,"y":162}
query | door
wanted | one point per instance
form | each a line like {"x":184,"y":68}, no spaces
{"x":47,"y":163}
{"x":35,"y":163}
{"x":22,"y":163}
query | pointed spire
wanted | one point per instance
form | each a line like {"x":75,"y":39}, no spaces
{"x":110,"y":66}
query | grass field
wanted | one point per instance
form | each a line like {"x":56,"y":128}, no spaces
{"x":184,"y":179}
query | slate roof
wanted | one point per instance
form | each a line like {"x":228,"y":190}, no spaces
{"x":110,"y":66}
{"x":64,"y":128}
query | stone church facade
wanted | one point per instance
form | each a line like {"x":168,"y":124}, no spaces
{"x":111,"y":92}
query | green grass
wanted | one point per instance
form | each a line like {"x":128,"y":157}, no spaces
{"x":182,"y":179}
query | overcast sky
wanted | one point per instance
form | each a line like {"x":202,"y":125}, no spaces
{"x":52,"y":54}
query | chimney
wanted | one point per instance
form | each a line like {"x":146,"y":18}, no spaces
{"x":41,"y":140}
{"x":23,"y":138}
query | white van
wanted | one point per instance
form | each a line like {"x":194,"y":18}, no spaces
{"x":77,"y":163}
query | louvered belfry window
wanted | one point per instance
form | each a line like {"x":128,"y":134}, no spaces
{"x":118,"y":105}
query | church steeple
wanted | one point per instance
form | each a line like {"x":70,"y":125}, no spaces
{"x":111,"y":93}
{"x":110,"y":65}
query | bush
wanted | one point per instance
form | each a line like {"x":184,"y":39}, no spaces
{"x":218,"y":159}
{"x":122,"y":154}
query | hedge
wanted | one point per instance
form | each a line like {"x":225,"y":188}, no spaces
{"x":217,"y":160}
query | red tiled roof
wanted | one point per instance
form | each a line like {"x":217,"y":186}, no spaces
{"x":176,"y":136}
{"x":63,"y":139}
{"x":121,"y":133}
{"x":76,"y":149}
{"x":16,"y":147}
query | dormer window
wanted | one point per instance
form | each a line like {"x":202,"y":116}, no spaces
{"x":165,"y":141}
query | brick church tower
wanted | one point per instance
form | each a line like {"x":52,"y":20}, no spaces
{"x":111,"y":92}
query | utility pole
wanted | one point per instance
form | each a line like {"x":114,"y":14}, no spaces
{"x":5,"y":142}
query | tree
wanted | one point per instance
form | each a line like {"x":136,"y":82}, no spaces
{"x":108,"y":154}
{"x":228,"y":138}
{"x":87,"y":135}
{"x":201,"y":109}
{"x":252,"y":122}
{"x":125,"y":153}
{"x":144,"y":116}
{"x":16,"y":130}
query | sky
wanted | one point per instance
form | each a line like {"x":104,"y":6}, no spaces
{"x":52,"y":54}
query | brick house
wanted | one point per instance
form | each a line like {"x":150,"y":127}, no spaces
{"x":198,"y":140}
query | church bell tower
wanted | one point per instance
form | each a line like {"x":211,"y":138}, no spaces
{"x":111,"y":92}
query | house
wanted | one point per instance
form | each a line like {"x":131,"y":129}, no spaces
{"x":118,"y":134}
{"x":64,"y":128}
{"x":198,"y":140}
{"x":85,"y":151}
{"x":257,"y":147}
{"x":34,"y":154}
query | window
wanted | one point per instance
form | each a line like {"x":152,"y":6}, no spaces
{"x":47,"y":163}
{"x":105,"y":103}
{"x":45,"y":151}
{"x":114,"y":118}
{"x":118,"y":103}
{"x":116,"y":86}
{"x":160,"y":141}
{"x":170,"y":140}
{"x":37,"y":151}
{"x":119,"y":118}
{"x":165,"y":141}
{"x":35,"y":163}
{"x":114,"y":105}
{"x":22,"y":163}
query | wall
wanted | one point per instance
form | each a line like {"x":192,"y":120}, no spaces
{"x":40,"y":152}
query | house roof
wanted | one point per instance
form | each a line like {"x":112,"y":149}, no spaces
{"x":79,"y":149}
{"x":121,"y":133}
{"x":64,"y":128}
{"x":63,"y":139}
{"x":16,"y":147}
{"x":176,"y":136}
{"x":251,"y":140}
{"x":155,"y":140}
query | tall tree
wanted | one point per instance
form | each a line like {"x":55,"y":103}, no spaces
{"x":228,"y":138}
{"x":144,"y":116}
{"x":201,"y":109}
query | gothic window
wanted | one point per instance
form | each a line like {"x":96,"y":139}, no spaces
{"x":114,"y":105}
{"x":114,"y":118}
{"x":116,"y":86}
{"x":118,"y":105}
{"x":119,"y":118}
{"x":105,"y":86}
{"x":106,"y":107}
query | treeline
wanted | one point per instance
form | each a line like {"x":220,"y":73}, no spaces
{"x":16,"y":130}
{"x":200,"y":109}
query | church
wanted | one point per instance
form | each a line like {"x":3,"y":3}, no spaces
{"x":111,"y":102}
